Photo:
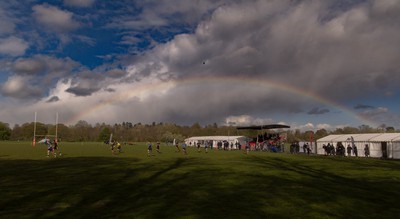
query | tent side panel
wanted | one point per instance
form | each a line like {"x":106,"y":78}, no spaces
{"x":395,"y":150}
{"x":320,"y":149}
{"x":375,"y":149}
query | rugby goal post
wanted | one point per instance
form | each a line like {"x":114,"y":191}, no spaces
{"x":34,"y":130}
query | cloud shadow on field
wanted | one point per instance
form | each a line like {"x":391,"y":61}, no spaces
{"x":186,"y":187}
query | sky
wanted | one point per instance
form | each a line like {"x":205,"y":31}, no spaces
{"x":309,"y":64}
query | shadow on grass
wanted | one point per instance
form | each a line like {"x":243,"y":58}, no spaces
{"x":188,"y":187}
{"x":325,"y":192}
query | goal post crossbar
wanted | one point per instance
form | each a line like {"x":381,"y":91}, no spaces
{"x":46,"y":135}
{"x":34,"y":130}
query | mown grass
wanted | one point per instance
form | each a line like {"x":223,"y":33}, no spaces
{"x":89,"y":182}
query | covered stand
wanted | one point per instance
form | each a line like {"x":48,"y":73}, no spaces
{"x":269,"y":143}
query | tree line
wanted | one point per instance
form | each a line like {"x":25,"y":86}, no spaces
{"x":82,"y":131}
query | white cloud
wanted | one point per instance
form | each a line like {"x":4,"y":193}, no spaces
{"x":88,"y":40}
{"x":55,"y":19}
{"x":307,"y":126}
{"x":19,"y":87}
{"x":310,"y":126}
{"x":32,"y":77}
{"x":13,"y":46}
{"x":324,"y":126}
{"x":14,"y":84}
{"x":245,"y":120}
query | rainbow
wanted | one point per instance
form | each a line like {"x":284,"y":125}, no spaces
{"x":140,"y":89}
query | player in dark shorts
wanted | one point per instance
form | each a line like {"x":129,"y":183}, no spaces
{"x":149,"y":149}
{"x":112,"y":147}
{"x":119,"y":147}
{"x":55,"y":145}
{"x":177,"y":147}
{"x":50,"y":148}
{"x":158,"y":147}
{"x":198,"y":147}
{"x":247,"y":147}
{"x":206,"y":146}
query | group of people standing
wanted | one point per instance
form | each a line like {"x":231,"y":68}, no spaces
{"x":295,"y":148}
{"x":224,"y":145}
{"x":340,"y":150}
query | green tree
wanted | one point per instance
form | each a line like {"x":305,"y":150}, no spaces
{"x":366,"y":129}
{"x":64,"y":133}
{"x":390,"y":129}
{"x":5,"y":131}
{"x":350,"y":130}
{"x":82,"y":131}
{"x":320,"y":133}
{"x":104,"y":134}
{"x":308,"y":135}
{"x":16,"y":132}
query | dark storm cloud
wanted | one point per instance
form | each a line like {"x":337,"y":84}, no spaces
{"x":363,"y":106}
{"x":81,"y":91}
{"x":208,"y":102}
{"x":110,"y":90}
{"x":45,"y":68}
{"x":87,"y":82}
{"x":29,"y":66}
{"x":317,"y":111}
{"x":53,"y":99}
{"x":282,"y":41}
{"x":116,"y":73}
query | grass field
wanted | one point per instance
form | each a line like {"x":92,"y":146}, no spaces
{"x":89,"y":182}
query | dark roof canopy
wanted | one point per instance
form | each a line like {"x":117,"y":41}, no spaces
{"x":260,"y":127}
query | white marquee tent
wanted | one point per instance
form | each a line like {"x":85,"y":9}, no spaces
{"x":382,"y":145}
{"x":192,"y":141}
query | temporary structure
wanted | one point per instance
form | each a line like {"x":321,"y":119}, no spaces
{"x":213,"y":140}
{"x":386,"y":145}
{"x":382,"y":145}
{"x":275,"y":141}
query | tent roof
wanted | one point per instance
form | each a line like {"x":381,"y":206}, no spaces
{"x":362,"y":137}
{"x":328,"y":138}
{"x":346,"y":137}
{"x":386,"y":137}
{"x":366,"y":137}
{"x":396,"y":138}
{"x":214,"y":138}
{"x":260,"y":127}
